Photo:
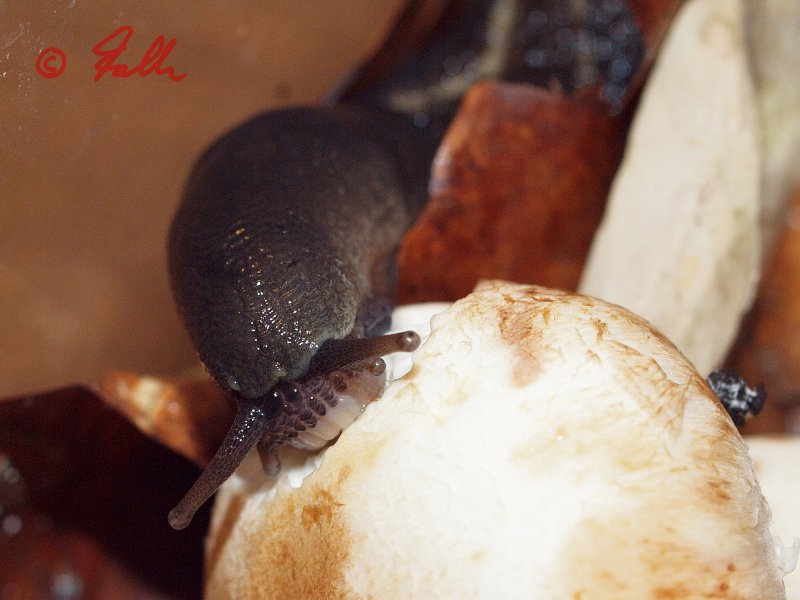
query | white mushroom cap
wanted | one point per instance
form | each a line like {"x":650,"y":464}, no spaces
{"x":544,"y":445}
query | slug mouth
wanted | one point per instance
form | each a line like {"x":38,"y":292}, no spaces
{"x":310,"y":413}
{"x":346,"y":375}
{"x":314,"y":411}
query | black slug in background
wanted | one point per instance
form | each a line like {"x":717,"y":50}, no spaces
{"x":741,"y":401}
{"x":282,"y":251}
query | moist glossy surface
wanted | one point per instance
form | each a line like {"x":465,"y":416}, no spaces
{"x":285,"y":238}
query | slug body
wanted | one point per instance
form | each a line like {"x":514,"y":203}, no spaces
{"x":281,"y":254}
{"x":281,"y":261}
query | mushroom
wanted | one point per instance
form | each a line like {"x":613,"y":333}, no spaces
{"x":543,"y":445}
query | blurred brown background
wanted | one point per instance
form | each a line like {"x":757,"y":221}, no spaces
{"x":90,"y":173}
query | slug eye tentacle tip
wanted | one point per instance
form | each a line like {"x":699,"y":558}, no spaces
{"x":337,"y":354}
{"x":408,"y":341}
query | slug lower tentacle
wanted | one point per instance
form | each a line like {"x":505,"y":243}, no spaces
{"x":245,"y":432}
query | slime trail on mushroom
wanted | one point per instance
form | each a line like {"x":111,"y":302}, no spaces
{"x":282,"y":251}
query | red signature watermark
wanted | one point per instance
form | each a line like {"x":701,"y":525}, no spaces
{"x":52,"y":62}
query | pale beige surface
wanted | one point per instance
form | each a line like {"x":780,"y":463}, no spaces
{"x":90,"y":172}
{"x":680,"y":243}
{"x":776,"y":459}
{"x":773,"y":31}
{"x":543,"y":446}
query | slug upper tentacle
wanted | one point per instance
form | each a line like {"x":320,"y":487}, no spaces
{"x":341,"y":353}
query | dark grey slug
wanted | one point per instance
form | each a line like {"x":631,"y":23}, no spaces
{"x":281,"y":254}
{"x":281,"y":260}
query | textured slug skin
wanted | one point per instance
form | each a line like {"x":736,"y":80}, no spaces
{"x":286,"y":237}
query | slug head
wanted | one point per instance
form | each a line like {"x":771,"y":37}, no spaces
{"x":290,"y":409}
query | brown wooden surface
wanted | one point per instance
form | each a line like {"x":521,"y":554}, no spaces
{"x":518,"y":189}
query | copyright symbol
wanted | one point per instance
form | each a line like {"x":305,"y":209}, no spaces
{"x":51,"y":63}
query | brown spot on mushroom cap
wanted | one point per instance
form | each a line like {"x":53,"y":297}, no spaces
{"x":296,"y":547}
{"x":518,"y":332}
{"x":625,"y":564}
{"x":296,"y":550}
{"x":320,"y":513}
{"x":308,"y":564}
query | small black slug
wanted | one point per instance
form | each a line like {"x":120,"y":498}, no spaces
{"x":741,"y":401}
{"x":281,"y":260}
